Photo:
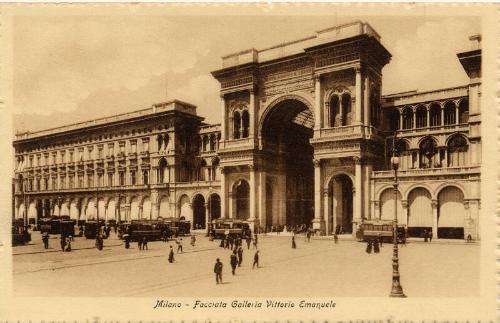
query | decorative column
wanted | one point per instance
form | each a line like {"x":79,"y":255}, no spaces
{"x":207,"y":215}
{"x":223,"y":193}
{"x":442,"y":115}
{"x":317,"y":102}
{"x":435,"y":206}
{"x":400,"y":119}
{"x":230,"y":205}
{"x":253,"y":193}
{"x":327,"y":211}
{"x":413,"y":111}
{"x":318,"y":222}
{"x":367,"y":114}
{"x":252,"y":116}
{"x":376,"y":209}
{"x":358,"y":95}
{"x":223,"y":128}
{"x":428,"y":121}
{"x":358,"y":195}
{"x":154,"y":204}
{"x":457,"y":113}
{"x":368,"y":168}
{"x":262,"y":199}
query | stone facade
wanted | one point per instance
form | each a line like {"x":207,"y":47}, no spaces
{"x":306,"y":138}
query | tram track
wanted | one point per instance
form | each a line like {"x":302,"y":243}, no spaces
{"x":153,"y":287}
{"x":126,"y":257}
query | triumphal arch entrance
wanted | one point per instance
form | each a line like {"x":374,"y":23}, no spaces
{"x":301,"y":130}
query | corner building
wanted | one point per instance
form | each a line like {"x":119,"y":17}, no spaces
{"x":306,"y":138}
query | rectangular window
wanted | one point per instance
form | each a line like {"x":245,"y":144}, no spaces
{"x":71,"y":181}
{"x":54,"y":158}
{"x":71,"y":156}
{"x":110,"y":179}
{"x":31,"y":161}
{"x":80,"y":181}
{"x":90,"y":154}
{"x":122,"y":178}
{"x":38,"y":160}
{"x":90,"y":180}
{"x":145,"y":145}
{"x":99,"y":152}
{"x":54,"y":183}
{"x":111,"y":149}
{"x":80,"y":154}
{"x":132,"y":177}
{"x":100,"y":182}
{"x":122,"y":148}
{"x":133,"y":146}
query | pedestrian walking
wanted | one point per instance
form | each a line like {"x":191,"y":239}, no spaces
{"x":469,"y":238}
{"x":144,"y":243}
{"x":335,"y":238}
{"x":179,"y":245}
{"x":308,"y":235}
{"x":234,"y":262}
{"x":379,"y":237}
{"x":139,"y":243}
{"x":45,"y":239}
{"x":171,"y":255}
{"x":227,"y":242}
{"x":376,"y":248}
{"x":425,"y":236}
{"x":222,"y":242}
{"x":193,"y":240}
{"x":63,"y":243}
{"x":126,"y":237}
{"x":249,"y":240}
{"x":294,"y":245}
{"x":240,"y":256}
{"x":231,"y":243}
{"x":430,"y":236}
{"x":68,"y":244}
{"x":369,"y":247}
{"x":256,"y":260}
{"x":218,"y":271}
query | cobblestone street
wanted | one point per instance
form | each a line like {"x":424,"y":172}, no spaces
{"x":443,"y":268}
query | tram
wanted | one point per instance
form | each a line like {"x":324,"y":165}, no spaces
{"x":20,"y":234}
{"x":90,"y":228}
{"x":379,"y":229}
{"x":178,"y":226}
{"x":219,"y":228}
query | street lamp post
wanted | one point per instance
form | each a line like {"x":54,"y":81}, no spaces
{"x":397,"y":289}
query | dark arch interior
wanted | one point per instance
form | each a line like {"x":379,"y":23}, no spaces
{"x":286,"y":133}
{"x":199,"y":212}
{"x":242,"y":200}
{"x":214,"y":206}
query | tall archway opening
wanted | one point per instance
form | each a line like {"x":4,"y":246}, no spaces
{"x":241,"y":191}
{"x":340,"y":208}
{"x":199,"y":212}
{"x":214,"y":206}
{"x":286,"y":133}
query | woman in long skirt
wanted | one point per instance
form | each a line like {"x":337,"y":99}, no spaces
{"x":171,"y":255}
{"x":294,"y":246}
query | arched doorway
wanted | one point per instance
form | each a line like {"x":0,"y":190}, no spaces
{"x":73,"y":210}
{"x":111,"y":211}
{"x":340,"y":209}
{"x":241,"y":193}
{"x":451,"y":213}
{"x":146,"y":208}
{"x":286,"y":131}
{"x":199,"y":220}
{"x":214,"y":206}
{"x":419,"y":212}
{"x":134,"y":208}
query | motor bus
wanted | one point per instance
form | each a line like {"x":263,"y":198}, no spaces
{"x":219,"y":228}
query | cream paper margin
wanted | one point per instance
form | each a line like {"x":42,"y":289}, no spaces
{"x":367,"y":309}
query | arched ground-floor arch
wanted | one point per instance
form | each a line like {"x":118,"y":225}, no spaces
{"x":451,"y":213}
{"x":134,"y":208}
{"x":214,"y":206}
{"x":199,"y":212}
{"x":339,"y":205}
{"x":241,"y":200}
{"x":420,"y":217}
{"x":146,"y":208}
{"x":164,"y":207}
{"x":185,"y":208}
{"x":111,"y":210}
{"x":387,"y":206}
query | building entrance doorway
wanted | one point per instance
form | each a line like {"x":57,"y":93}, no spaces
{"x":199,"y":212}
{"x":286,"y":131}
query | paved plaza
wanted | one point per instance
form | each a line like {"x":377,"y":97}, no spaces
{"x":443,"y":268}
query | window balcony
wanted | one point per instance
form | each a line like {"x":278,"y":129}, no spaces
{"x":237,"y":143}
{"x":426,"y":172}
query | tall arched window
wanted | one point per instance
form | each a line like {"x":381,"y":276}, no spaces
{"x":449,"y":113}
{"x":375,"y":107}
{"x":463,"y":111}
{"x":407,"y":118}
{"x":245,"y":120}
{"x":166,"y":139}
{"x":346,"y":109}
{"x":457,"y":151}
{"x":236,"y":125}
{"x":145,"y":177}
{"x":427,"y":151}
{"x":213,"y":142}
{"x":421,"y":115}
{"x":159,"y":139}
{"x":405,"y":155}
{"x":435,"y":115}
{"x":205,"y":143}
{"x":213,"y":169}
{"x":162,"y":170}
{"x":334,"y":112}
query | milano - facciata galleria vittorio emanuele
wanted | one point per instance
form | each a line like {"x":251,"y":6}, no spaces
{"x":306,"y":138}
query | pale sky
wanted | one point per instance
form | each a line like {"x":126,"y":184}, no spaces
{"x":71,"y":69}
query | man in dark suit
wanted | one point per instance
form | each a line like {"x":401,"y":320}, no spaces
{"x":218,"y":271}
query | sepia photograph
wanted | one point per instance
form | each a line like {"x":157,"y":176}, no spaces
{"x":262,"y":161}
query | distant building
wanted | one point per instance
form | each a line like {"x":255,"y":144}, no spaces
{"x":306,"y":138}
